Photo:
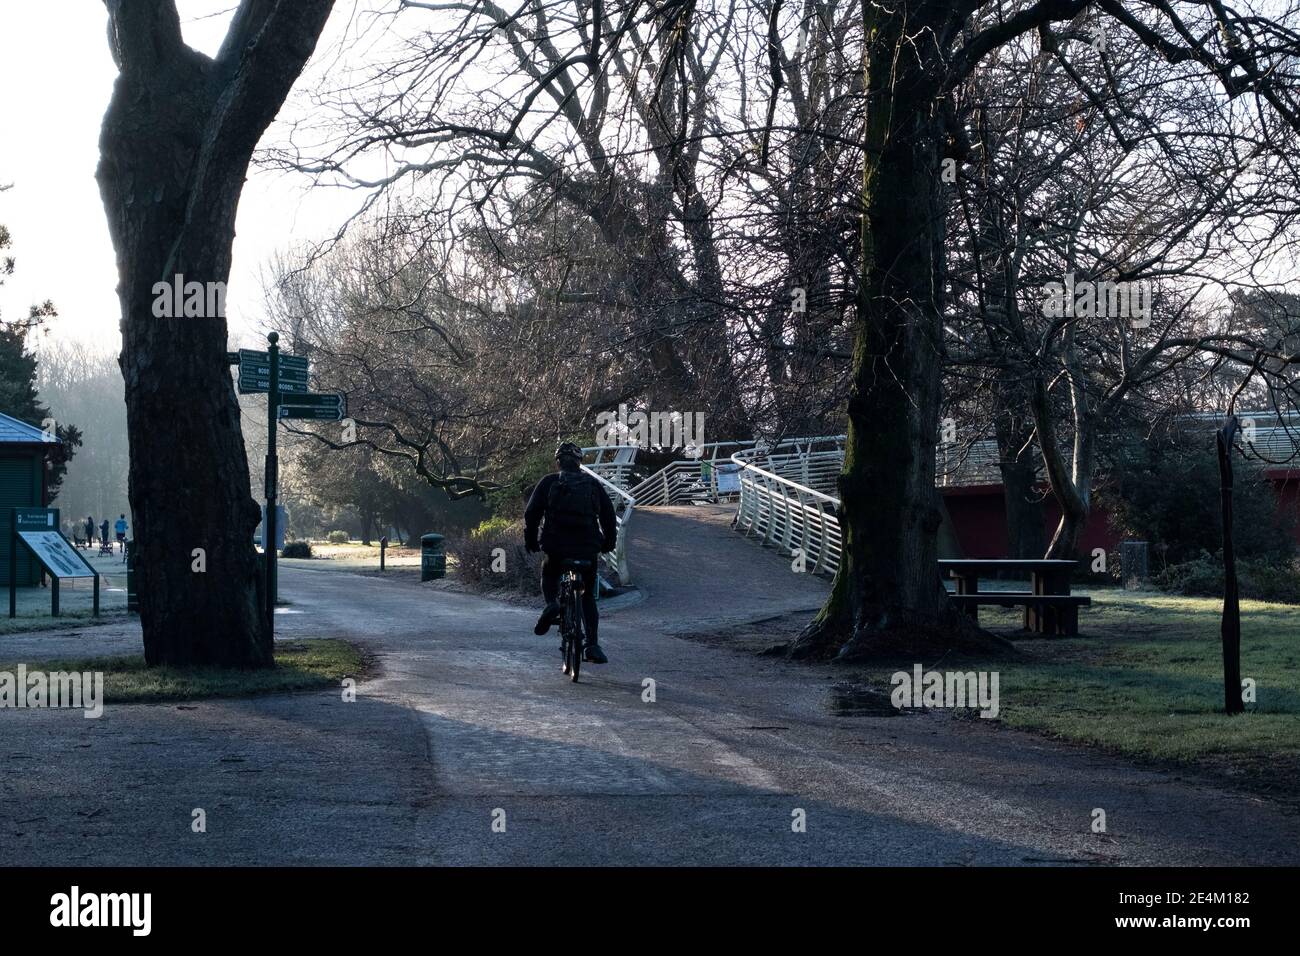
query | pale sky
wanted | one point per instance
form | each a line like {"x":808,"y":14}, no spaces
{"x":56,"y":77}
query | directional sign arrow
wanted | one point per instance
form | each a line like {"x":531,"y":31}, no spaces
{"x":319,"y":400}
{"x":252,"y":385}
{"x":331,"y":406}
{"x":319,"y":414}
{"x":254,"y":357}
{"x":264,"y":371}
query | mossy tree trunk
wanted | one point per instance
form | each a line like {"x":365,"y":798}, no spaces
{"x":887,"y":596}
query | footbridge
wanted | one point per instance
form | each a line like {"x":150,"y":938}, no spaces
{"x":783,"y":493}
{"x":779,"y":493}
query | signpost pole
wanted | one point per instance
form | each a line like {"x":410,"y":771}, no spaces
{"x":272,"y":476}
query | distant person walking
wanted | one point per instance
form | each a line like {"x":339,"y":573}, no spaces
{"x":119,"y":528}
{"x":90,"y":532}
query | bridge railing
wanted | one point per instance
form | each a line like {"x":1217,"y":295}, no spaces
{"x":697,"y":478}
{"x":614,"y":463}
{"x":691,"y":479}
{"x":624,"y":504}
{"x":786,"y":491}
{"x":792,"y":514}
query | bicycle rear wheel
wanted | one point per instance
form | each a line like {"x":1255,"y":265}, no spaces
{"x":574,"y":613}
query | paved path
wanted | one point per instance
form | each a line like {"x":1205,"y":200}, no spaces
{"x":472,"y":721}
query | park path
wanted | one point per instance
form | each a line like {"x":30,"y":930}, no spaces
{"x":471,"y":722}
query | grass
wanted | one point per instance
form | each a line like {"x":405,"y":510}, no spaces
{"x":355,"y":556}
{"x":28,"y":621}
{"x":299,"y":665}
{"x":1146,"y":679}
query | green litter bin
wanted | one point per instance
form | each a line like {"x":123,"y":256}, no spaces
{"x":132,"y":596}
{"x":433,"y":559}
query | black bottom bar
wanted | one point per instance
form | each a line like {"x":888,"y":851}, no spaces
{"x":926,"y":906}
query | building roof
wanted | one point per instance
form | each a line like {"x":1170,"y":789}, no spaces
{"x":15,"y":432}
{"x":1266,"y":438}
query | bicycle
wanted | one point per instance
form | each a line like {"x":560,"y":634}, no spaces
{"x":571,"y":617}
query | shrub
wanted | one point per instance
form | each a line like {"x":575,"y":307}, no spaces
{"x":510,"y":498}
{"x":1261,"y":579}
{"x":1165,"y":490}
{"x":339,"y":537}
{"x":498,"y":527}
{"x":475,"y":558}
{"x":296,"y":549}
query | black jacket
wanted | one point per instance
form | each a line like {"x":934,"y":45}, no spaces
{"x":536,"y":511}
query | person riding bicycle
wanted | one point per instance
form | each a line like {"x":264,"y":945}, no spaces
{"x":577,"y":521}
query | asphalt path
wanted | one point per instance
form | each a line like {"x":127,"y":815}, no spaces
{"x":470,"y":747}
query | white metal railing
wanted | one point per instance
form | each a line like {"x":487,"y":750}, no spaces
{"x":676,"y":482}
{"x":793,"y":515}
{"x":624,"y":504}
{"x":691,"y":479}
{"x":612,"y":462}
{"x":815,"y":463}
{"x":698,"y":478}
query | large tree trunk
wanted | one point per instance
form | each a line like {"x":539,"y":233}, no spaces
{"x":175,"y":147}
{"x":1070,"y":480}
{"x":887,"y":597}
{"x":1026,"y":537}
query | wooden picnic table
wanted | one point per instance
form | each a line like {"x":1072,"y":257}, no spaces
{"x":1055,"y":611}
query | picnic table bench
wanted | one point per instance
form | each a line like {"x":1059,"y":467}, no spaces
{"x":1049,"y":606}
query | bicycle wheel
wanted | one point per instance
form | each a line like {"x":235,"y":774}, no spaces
{"x":574,"y":612}
{"x":564,"y":634}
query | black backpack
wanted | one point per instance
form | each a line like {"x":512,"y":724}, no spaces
{"x":572,"y":512}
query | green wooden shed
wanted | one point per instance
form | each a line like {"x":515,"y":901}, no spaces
{"x":22,"y":485}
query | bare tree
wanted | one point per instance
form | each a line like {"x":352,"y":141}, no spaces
{"x":175,"y":146}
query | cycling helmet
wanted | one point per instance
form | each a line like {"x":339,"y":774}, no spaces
{"x":568,"y":449}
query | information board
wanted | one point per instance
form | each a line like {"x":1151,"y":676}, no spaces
{"x":59,"y":557}
{"x":38,"y":530}
{"x":728,"y":479}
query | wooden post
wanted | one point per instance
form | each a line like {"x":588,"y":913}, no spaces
{"x":969,"y":583}
{"x":1230,"y":627}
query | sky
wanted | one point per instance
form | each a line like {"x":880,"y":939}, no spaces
{"x":56,"y":77}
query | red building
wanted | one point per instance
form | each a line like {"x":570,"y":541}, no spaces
{"x":979,"y":516}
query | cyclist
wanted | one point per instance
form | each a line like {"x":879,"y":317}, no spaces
{"x":577,"y":521}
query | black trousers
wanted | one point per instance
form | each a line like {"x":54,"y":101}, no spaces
{"x":551,"y":589}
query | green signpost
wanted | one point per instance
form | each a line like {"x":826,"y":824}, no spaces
{"x":284,"y":380}
{"x":37,"y":529}
{"x":255,"y":371}
{"x":324,"y":407}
